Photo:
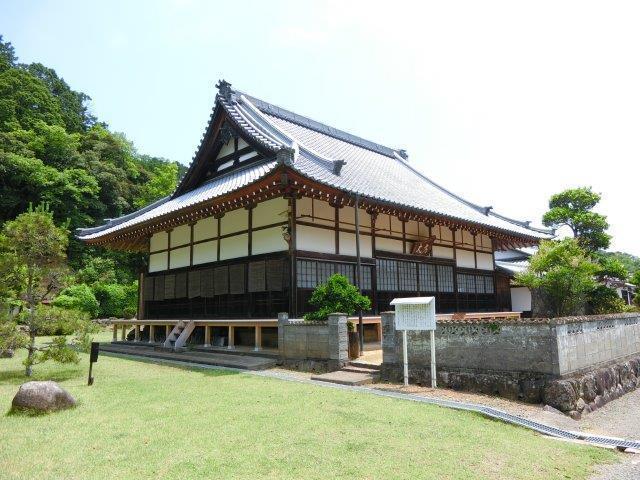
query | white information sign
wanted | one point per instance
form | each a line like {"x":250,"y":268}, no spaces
{"x":416,"y":313}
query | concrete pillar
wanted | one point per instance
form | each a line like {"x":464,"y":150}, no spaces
{"x":152,"y":333}
{"x":258,"y":338}
{"x":338,"y":341}
{"x":232,"y":339}
{"x":390,"y":353}
{"x":283,"y":320}
{"x":207,"y":336}
{"x":137,"y":333}
{"x":124,"y":332}
{"x":115,"y":332}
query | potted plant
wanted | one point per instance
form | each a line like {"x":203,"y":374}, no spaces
{"x":338,"y":295}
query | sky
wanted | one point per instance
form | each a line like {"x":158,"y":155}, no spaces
{"x":503,"y":103}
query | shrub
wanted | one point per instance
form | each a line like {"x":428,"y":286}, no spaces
{"x":116,"y":300}
{"x":561,"y":273}
{"x":336,"y":295}
{"x":605,"y":300}
{"x":78,"y":297}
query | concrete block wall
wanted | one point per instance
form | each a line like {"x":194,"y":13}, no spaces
{"x":512,"y":358}
{"x":585,"y":344}
{"x":316,"y":346}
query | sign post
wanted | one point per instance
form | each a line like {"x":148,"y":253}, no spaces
{"x":93,"y":357}
{"x":416,"y":313}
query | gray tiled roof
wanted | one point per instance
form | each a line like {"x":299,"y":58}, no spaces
{"x":371,"y":170}
{"x":214,"y":188}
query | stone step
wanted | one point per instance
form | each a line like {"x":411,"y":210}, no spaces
{"x":352,"y":368}
{"x":363,"y":364}
{"x":343,"y":377}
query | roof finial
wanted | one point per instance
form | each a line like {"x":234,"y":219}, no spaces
{"x":337,"y":166}
{"x":403,"y":153}
{"x":224,"y":89}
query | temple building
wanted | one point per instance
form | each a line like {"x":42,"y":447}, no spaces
{"x":273,"y":203}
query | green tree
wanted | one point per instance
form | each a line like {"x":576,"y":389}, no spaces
{"x":336,"y":295}
{"x":635,"y":279}
{"x":161,"y":184}
{"x":25,"y":100}
{"x":562,"y":274}
{"x":573,"y":208}
{"x":8,"y":57}
{"x":38,"y":246}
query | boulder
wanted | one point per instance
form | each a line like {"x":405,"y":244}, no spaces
{"x":8,"y":353}
{"x":560,"y":394}
{"x":42,"y":397}
{"x":580,"y":404}
{"x":589,"y":387}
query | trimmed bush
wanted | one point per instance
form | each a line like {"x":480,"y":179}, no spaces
{"x":336,"y":295}
{"x":116,"y":300}
{"x":78,"y":297}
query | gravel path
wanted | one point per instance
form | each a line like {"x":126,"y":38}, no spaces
{"x":628,"y":469}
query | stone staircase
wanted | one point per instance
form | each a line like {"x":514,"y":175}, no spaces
{"x":355,"y":373}
{"x":177,"y":338}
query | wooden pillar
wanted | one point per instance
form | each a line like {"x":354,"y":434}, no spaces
{"x":152,"y":333}
{"x":207,"y":336}
{"x":258,"y":338}
{"x":141,"y":280}
{"x":379,"y":329}
{"x":115,"y":332}
{"x":167,"y":331}
{"x":124,"y":333}
{"x":137,"y":333}
{"x":232,"y":340}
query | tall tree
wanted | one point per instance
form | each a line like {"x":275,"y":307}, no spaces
{"x":574,"y":208}
{"x":8,"y":57}
{"x":37,"y":248}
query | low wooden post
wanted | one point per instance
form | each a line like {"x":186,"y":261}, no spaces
{"x":167,"y":331}
{"x":152,"y":333}
{"x":115,"y":333}
{"x":258,"y":338}
{"x":124,"y":333}
{"x":232,"y":340}
{"x":136,"y":333}
{"x":379,"y":329}
{"x":207,"y":336}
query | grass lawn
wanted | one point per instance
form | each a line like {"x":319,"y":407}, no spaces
{"x":141,"y":420}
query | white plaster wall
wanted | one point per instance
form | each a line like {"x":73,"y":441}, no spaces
{"x":234,"y":247}
{"x":382,"y":224}
{"x":180,"y":257}
{"x":269,"y":212}
{"x":157,"y":262}
{"x":388,"y":245}
{"x":315,"y":239}
{"x":205,"y":252}
{"x":348,"y":245}
{"x":485,"y":261}
{"x":205,"y":228}
{"x":159,"y":241}
{"x":444,"y":234}
{"x":441,"y":252}
{"x":227,"y":149}
{"x":268,"y":240}
{"x":412,"y":230}
{"x":180,"y":235}
{"x":234,"y":221}
{"x":242,"y":144}
{"x":485,"y":242}
{"x":520,"y":299}
{"x":465,"y":258}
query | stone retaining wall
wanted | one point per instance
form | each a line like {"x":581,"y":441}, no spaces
{"x":522,"y":359}
{"x":313,"y":346}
